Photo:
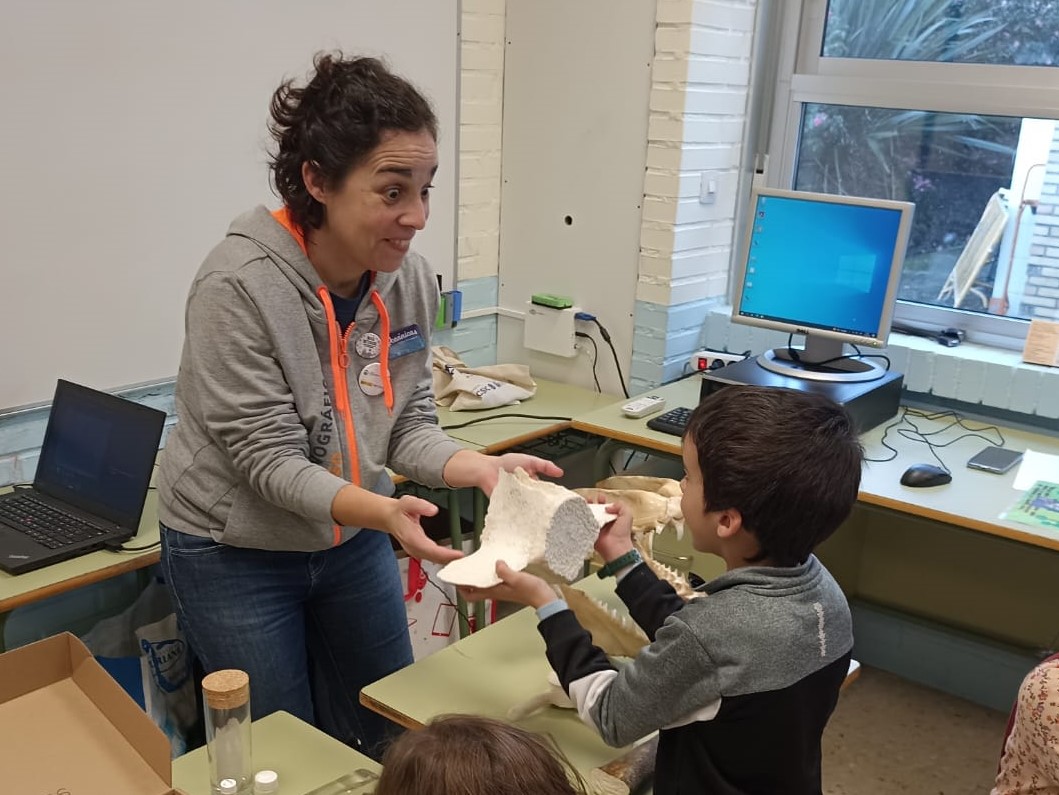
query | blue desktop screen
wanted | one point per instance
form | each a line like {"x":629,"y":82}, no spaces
{"x":819,"y":264}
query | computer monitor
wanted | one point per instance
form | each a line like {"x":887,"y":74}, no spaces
{"x":824,"y":266}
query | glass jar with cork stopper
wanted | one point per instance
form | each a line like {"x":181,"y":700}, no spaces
{"x":226,"y":707}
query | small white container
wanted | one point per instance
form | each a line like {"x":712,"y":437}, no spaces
{"x":266,"y":782}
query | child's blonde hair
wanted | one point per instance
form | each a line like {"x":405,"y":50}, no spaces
{"x":471,"y":755}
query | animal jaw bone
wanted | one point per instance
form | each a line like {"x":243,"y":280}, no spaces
{"x":677,"y":580}
{"x":615,"y":634}
{"x":655,"y":502}
{"x":530,"y":521}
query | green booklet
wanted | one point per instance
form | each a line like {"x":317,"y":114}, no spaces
{"x":1038,"y":506}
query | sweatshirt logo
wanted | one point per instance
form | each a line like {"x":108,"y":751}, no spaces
{"x":820,"y":633}
{"x":320,"y":439}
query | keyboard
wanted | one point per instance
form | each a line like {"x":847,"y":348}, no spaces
{"x":46,"y":525}
{"x":673,"y":421}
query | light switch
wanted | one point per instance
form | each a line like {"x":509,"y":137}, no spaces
{"x":707,"y":188}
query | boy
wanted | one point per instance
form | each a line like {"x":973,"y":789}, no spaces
{"x":740,"y":684}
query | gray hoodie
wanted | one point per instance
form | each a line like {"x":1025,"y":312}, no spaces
{"x":265,"y":438}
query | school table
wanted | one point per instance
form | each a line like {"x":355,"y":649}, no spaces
{"x":973,"y":500}
{"x":498,"y":667}
{"x":303,"y":756}
{"x":58,"y":578}
{"x":557,"y":404}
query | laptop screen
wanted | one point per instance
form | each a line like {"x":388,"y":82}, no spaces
{"x":99,"y":452}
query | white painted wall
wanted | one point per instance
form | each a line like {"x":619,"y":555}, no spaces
{"x":576,"y":87}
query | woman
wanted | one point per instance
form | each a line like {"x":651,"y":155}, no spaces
{"x":274,"y":500}
{"x":1029,"y":760}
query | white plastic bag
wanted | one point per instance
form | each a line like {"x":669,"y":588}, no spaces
{"x":463,"y":388}
{"x":144,"y":649}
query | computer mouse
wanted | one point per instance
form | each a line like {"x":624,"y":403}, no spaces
{"x":922,"y":475}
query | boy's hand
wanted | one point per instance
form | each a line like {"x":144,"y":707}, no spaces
{"x":517,"y":586}
{"x":615,"y":539}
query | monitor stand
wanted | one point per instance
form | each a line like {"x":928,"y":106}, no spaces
{"x":840,"y":367}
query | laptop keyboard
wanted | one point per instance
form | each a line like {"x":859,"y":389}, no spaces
{"x":46,"y":525}
{"x":673,"y":421}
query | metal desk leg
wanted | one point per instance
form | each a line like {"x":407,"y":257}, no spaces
{"x":3,"y":625}
{"x":479,"y":523}
{"x":601,"y":460}
{"x":456,"y":535}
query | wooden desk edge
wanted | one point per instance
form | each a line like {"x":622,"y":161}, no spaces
{"x":965,"y":522}
{"x":132,"y":563}
{"x":387,"y":712}
{"x":672,"y":448}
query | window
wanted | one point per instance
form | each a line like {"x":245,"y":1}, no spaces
{"x":951,"y":104}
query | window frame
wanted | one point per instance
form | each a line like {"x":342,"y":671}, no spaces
{"x":804,"y":76}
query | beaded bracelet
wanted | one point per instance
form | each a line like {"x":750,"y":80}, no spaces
{"x":628,"y":559}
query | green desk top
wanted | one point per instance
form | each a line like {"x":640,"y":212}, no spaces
{"x":552,"y":400}
{"x":304,"y":757}
{"x":487,"y":673}
{"x":973,"y":500}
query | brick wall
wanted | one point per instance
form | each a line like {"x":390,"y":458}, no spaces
{"x":700,"y":85}
{"x":478,"y":230}
{"x":1041,"y":296}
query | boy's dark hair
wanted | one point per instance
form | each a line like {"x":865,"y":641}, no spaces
{"x":334,"y":121}
{"x":788,"y":461}
{"x":471,"y":755}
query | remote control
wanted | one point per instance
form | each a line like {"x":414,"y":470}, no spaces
{"x":641,"y":407}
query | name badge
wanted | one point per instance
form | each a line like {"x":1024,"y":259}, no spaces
{"x":406,"y":340}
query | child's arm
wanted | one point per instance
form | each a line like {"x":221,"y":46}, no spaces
{"x":671,"y":682}
{"x":650,"y":600}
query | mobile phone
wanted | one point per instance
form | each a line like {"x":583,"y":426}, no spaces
{"x":995,"y":459}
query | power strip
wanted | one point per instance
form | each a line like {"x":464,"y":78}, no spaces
{"x":701,"y":361}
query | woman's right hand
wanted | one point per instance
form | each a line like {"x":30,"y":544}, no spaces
{"x":403,"y":524}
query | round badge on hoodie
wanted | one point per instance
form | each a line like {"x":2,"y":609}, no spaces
{"x":368,"y":345}
{"x":370,"y":379}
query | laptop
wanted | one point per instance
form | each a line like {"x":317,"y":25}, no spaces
{"x":92,"y":477}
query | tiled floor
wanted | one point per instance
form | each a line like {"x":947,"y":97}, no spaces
{"x":889,"y":736}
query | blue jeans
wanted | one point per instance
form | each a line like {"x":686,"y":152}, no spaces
{"x":310,"y":628}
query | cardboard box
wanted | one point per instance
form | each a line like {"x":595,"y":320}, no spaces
{"x":69,"y":729}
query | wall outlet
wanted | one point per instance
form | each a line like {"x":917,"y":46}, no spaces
{"x":550,"y":330}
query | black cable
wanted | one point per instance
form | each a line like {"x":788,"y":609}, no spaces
{"x":595,"y":357}
{"x":914,"y":434}
{"x":606,"y":338}
{"x":502,"y":417}
{"x":466,"y":619}
{"x":145,"y":547}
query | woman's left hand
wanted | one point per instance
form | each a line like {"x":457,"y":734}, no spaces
{"x":470,"y":468}
{"x":509,"y":462}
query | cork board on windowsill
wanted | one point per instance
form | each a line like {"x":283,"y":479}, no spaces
{"x":1042,"y":343}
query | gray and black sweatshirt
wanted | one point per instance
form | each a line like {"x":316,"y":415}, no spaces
{"x":272,"y":419}
{"x":740,"y":684}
